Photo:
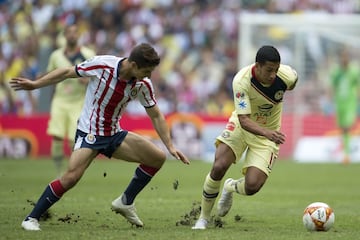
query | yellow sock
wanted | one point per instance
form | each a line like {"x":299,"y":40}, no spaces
{"x":57,"y":153}
{"x":237,"y":186}
{"x":210,"y":193}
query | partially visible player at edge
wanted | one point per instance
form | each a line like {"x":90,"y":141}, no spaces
{"x":69,"y":95}
{"x":253,"y":129}
{"x":114,"y":81}
{"x":345,"y":82}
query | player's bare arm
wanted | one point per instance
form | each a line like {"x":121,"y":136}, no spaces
{"x":251,"y":126}
{"x":161,"y":127}
{"x":53,"y":77}
{"x":84,"y":80}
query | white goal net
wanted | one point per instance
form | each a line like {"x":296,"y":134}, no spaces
{"x":308,"y":42}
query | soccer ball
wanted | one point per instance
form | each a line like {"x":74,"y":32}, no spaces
{"x":318,"y":216}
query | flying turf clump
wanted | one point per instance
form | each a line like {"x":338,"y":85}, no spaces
{"x":188,"y":219}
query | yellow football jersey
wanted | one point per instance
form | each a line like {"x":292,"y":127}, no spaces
{"x":263,"y":103}
{"x":70,"y":90}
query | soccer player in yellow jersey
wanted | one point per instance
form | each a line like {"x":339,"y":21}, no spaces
{"x":253,"y":129}
{"x":69,"y":95}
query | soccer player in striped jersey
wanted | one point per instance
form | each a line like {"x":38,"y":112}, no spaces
{"x":253,"y":129}
{"x":114,"y":81}
{"x":69,"y":95}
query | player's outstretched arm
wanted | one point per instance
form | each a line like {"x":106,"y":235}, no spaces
{"x":161,"y":127}
{"x":53,"y":77}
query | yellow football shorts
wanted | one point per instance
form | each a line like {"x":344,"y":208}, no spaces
{"x":257,"y":151}
{"x":63,"y":119}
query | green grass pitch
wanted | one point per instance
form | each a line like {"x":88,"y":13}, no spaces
{"x":167,"y":202}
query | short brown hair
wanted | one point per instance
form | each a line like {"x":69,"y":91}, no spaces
{"x":144,"y":55}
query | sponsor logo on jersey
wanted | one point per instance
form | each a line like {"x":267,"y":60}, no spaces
{"x":230,"y":126}
{"x":240,"y":95}
{"x":90,"y":139}
{"x":225,"y":134}
{"x":242,"y":104}
{"x":265,"y":107}
{"x":133,"y":92}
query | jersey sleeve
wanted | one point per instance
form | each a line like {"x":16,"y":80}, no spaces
{"x":288,"y":75}
{"x":89,"y":67}
{"x":147,"y":96}
{"x":241,"y":86}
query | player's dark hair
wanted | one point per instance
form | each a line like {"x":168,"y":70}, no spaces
{"x":144,"y":56}
{"x":68,"y":26}
{"x":267,"y":53}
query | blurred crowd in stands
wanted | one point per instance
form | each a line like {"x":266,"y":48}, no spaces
{"x":197,"y":40}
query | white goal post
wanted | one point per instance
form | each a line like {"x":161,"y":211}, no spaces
{"x":294,"y":31}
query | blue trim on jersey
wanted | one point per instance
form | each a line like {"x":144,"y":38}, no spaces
{"x":150,"y":106}
{"x":77,"y":71}
{"x":118,"y":68}
{"x":270,"y":92}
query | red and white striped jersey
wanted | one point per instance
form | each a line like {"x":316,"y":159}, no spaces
{"x":107,"y":95}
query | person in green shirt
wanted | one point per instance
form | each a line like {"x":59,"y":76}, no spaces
{"x":345,"y":82}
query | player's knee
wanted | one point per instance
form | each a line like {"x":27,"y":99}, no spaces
{"x":252,"y":188}
{"x":218,"y":171}
{"x":162,"y":157}
{"x":159,"y":159}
